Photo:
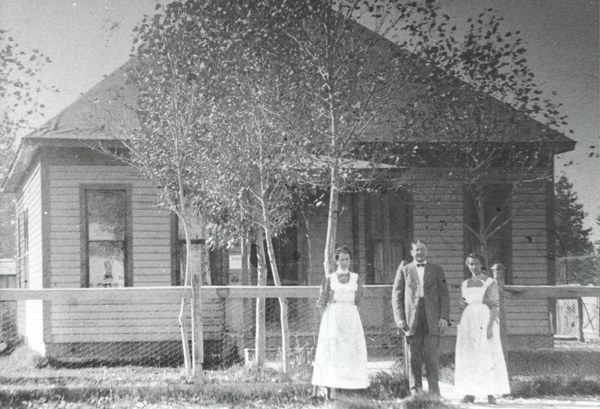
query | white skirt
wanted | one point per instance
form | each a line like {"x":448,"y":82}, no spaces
{"x":341,"y":356}
{"x":480,"y":368}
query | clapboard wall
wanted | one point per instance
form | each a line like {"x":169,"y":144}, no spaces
{"x":30,"y":267}
{"x":437,"y":212}
{"x":151,"y":320}
{"x":53,"y":189}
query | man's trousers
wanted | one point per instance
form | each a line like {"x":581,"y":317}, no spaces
{"x":423,"y":347}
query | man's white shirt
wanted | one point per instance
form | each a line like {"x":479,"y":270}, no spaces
{"x":421,"y":274}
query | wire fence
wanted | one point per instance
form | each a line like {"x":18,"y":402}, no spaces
{"x":103,"y":332}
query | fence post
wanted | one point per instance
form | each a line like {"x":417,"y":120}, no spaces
{"x":580,"y":319}
{"x":197,"y":330}
{"x":499,"y":275}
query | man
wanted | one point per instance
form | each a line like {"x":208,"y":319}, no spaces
{"x":422,"y":310}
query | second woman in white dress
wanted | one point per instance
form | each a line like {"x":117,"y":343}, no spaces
{"x":480,"y":368}
{"x":341,"y":355}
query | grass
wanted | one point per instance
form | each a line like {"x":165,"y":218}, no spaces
{"x":555,"y":385}
{"x":28,"y":380}
{"x":386,"y":391}
{"x":570,"y":369}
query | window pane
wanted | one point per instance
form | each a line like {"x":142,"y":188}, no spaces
{"x":107,"y":264}
{"x":106,"y":215}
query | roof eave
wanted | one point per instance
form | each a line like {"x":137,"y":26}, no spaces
{"x":31,"y":145}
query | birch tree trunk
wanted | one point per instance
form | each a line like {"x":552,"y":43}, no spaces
{"x":181,"y":318}
{"x":283,"y":305}
{"x":260,"y":339}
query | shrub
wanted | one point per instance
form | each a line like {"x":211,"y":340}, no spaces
{"x":385,"y":386}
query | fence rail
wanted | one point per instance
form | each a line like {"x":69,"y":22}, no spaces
{"x":175,"y":293}
{"x":549,"y":291}
{"x":81,"y":306}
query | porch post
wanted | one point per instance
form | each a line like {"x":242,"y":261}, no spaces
{"x":499,"y":275}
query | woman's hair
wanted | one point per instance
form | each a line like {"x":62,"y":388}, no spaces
{"x":477,"y":256}
{"x":342,"y":250}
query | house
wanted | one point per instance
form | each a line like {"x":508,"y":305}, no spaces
{"x":86,"y":219}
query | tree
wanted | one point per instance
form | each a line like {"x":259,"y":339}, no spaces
{"x":337,"y":87}
{"x":576,"y":260}
{"x":205,"y":138}
{"x":19,"y":105}
{"x":349,"y":81}
{"x":168,"y":145}
{"x":478,"y":104}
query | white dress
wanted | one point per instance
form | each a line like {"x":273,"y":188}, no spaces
{"x":480,"y":368}
{"x":341,"y":356}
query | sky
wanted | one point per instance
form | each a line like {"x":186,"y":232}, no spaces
{"x":88,"y":39}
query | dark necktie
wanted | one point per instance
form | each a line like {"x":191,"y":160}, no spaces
{"x":420,"y":264}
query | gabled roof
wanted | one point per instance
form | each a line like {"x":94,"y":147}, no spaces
{"x":93,"y":116}
{"x":82,"y":124}
{"x":111,"y":100}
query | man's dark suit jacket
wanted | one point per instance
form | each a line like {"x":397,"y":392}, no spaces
{"x":405,"y":296}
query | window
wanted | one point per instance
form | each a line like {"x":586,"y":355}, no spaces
{"x":23,"y":247}
{"x":387,"y":234}
{"x":106,"y":237}
{"x":496,"y":212}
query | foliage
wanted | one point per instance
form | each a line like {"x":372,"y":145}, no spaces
{"x":18,"y":92}
{"x":203,"y":82}
{"x":576,"y":262}
{"x":346,"y":82}
{"x":477,"y":103}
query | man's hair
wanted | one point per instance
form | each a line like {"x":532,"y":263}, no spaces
{"x":416,"y":242}
{"x":342,"y":250}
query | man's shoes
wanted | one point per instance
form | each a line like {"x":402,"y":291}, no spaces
{"x":491,"y":400}
{"x":468,"y":399}
{"x":416,"y":392}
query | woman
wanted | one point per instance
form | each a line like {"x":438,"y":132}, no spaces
{"x":480,"y":366}
{"x":341,"y":356}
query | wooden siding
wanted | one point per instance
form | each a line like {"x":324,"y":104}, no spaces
{"x":30,"y":312}
{"x":149,"y":320}
{"x":438,"y":212}
{"x":529,"y":262}
{"x":151,"y":226}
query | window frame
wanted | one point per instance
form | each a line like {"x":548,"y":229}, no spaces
{"x":128,"y":238}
